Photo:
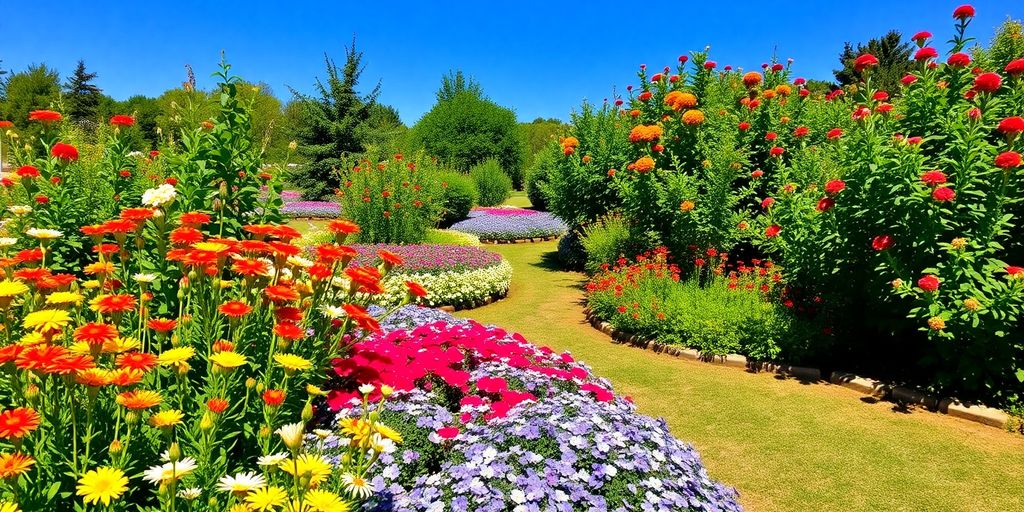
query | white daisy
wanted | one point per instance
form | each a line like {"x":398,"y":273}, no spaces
{"x":291,"y":434}
{"x":170,"y":471}
{"x":241,"y":483}
{"x":44,"y":234}
{"x":357,"y":486}
{"x":272,"y":460}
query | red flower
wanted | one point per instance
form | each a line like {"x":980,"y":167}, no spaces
{"x":644,"y":96}
{"x":122,"y":120}
{"x":1011,"y":125}
{"x":415,"y":289}
{"x":217,"y":405}
{"x":390,"y":259}
{"x":864,"y":61}
{"x":710,"y":64}
{"x":801,"y":131}
{"x":162,"y":324}
{"x":273,"y":397}
{"x":928,"y":283}
{"x":281,"y":293}
{"x":364,"y":320}
{"x":27,"y":171}
{"x":6,"y":124}
{"x":834,"y":187}
{"x":1014,"y":271}
{"x":448,"y":433}
{"x":770,"y":136}
{"x":959,"y":60}
{"x":45,"y":116}
{"x":772,"y":231}
{"x":767,"y":203}
{"x":41,"y":199}
{"x":197,"y":218}
{"x":1008,"y":160}
{"x":920,"y":37}
{"x":1015,"y":67}
{"x":908,"y":79}
{"x":882,"y":242}
{"x":64,"y":151}
{"x":18,"y":423}
{"x":96,"y":333}
{"x":963,"y":12}
{"x":776,"y":151}
{"x":142,"y":361}
{"x":988,"y":82}
{"x":933,"y":178}
{"x":834,"y":133}
{"x":234,"y":309}
{"x":825,"y":204}
{"x":289,"y":331}
{"x":943,"y":194}
{"x":744,"y":126}
{"x":925,"y":53}
{"x":757,"y":174}
{"x":343,"y":227}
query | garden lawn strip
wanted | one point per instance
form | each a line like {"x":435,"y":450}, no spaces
{"x":783,"y":444}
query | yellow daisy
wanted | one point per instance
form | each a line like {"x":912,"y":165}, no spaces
{"x":32,"y":338}
{"x":65,"y":298}
{"x":292,"y":362}
{"x":317,"y":467}
{"x":267,"y":498}
{"x":166,"y":419}
{"x":46,"y":320}
{"x":9,"y":289}
{"x":228,"y":359}
{"x":326,"y":501}
{"x":6,"y":506}
{"x":211,"y":247}
{"x":102,"y":484}
{"x":176,"y":356}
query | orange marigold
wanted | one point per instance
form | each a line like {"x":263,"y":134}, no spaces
{"x":645,"y":133}
{"x":679,"y":100}
{"x":693,"y":117}
{"x":18,"y":423}
{"x":644,"y":164}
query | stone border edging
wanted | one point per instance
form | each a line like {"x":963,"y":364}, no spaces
{"x":518,"y":240}
{"x":883,"y":391}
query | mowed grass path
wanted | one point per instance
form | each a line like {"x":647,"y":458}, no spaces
{"x":783,"y":444}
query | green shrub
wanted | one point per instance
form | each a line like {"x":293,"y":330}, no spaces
{"x":458,"y":195}
{"x":449,"y":237}
{"x":492,"y":183}
{"x":537,"y":176}
{"x":606,"y":241}
{"x":570,"y":251}
{"x":393,"y":202}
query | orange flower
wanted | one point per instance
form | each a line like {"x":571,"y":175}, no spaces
{"x":139,"y":399}
{"x":644,"y":164}
{"x":281,"y":293}
{"x":18,"y":423}
{"x":752,"y":79}
{"x":645,"y":133}
{"x":162,"y":324}
{"x":217,"y":405}
{"x":415,"y":289}
{"x":330,"y":253}
{"x":74,"y":364}
{"x":136,"y":214}
{"x":289,"y":331}
{"x":390,"y":259}
{"x":273,"y":397}
{"x":194,"y":218}
{"x":113,"y":303}
{"x":679,"y":100}
{"x":234,"y":309}
{"x":186,"y":235}
{"x":693,"y":117}
{"x":93,"y":377}
{"x":45,"y":116}
{"x":44,"y":358}
{"x":286,"y":232}
{"x":342,"y":227}
{"x":362,"y":319}
{"x":142,"y":361}
{"x":250,"y":267}
{"x":125,"y":377}
{"x":259,"y":230}
{"x":95,"y":333}
{"x":13,"y":465}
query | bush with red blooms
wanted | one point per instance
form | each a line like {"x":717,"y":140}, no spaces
{"x":395,"y":201}
{"x":722,"y":306}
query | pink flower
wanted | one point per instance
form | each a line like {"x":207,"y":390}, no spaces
{"x":448,"y":433}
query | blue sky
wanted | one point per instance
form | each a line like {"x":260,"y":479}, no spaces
{"x":540,"y":58}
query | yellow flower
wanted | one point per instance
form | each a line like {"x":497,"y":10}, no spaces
{"x":972,"y":304}
{"x":936,"y":323}
{"x":175,"y":356}
{"x":121,"y":344}
{"x":315,"y":390}
{"x":64,"y":298}
{"x":211,"y":247}
{"x":228,"y":359}
{"x":46,"y":320}
{"x":958,"y":243}
{"x":267,"y":498}
{"x":165,"y":419}
{"x":388,"y":432}
{"x":292,"y":362}
{"x":317,"y":467}
{"x":326,"y":501}
{"x":31,"y":338}
{"x":9,"y":289}
{"x":91,"y":284}
{"x":6,"y":506}
{"x":102,"y":484}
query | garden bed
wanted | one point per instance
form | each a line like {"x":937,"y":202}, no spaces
{"x":489,"y":421}
{"x":511,"y":225}
{"x":458,"y":277}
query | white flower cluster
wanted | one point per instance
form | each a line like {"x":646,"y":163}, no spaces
{"x":159,"y":196}
{"x":459,"y":288}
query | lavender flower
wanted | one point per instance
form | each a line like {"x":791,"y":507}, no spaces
{"x":319,"y":209}
{"x":510,"y":224}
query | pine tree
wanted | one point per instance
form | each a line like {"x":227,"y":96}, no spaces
{"x":894,"y":61}
{"x":331,"y":126}
{"x":82,"y":97}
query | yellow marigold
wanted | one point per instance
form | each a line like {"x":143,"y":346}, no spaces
{"x":686,"y":205}
{"x":958,"y":243}
{"x":167,"y":418}
{"x":783,"y":90}
{"x":292,"y":362}
{"x":972,"y":304}
{"x":99,"y":268}
{"x":679,"y":100}
{"x":46,"y":320}
{"x":121,"y":344}
{"x":936,"y":323}
{"x":228,"y":359}
{"x":387,"y":432}
{"x":216,"y":247}
{"x":644,"y":164}
{"x":693,"y":117}
{"x":93,"y":377}
{"x":10,"y":289}
{"x":64,"y":298}
{"x":91,"y":284}
{"x":175,"y":356}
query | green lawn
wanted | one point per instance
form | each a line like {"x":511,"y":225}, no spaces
{"x":518,"y":198}
{"x":783,"y":444}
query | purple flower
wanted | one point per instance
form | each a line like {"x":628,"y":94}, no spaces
{"x":510,"y":224}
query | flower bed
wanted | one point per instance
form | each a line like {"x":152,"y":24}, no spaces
{"x":311,"y":209}
{"x":492,"y":422}
{"x":509,"y":224}
{"x":458,"y":276}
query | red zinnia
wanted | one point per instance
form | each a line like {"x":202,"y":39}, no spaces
{"x":1008,"y":160}
{"x":864,"y":61}
{"x":18,"y":423}
{"x":928,"y":283}
{"x":777,"y":151}
{"x":933,"y":178}
{"x":234,"y":309}
{"x":1015,"y":67}
{"x":825,"y":204}
{"x":64,"y":152}
{"x":963,"y":12}
{"x":45,"y":116}
{"x":925,"y":53}
{"x":767,"y":203}
{"x":959,"y":60}
{"x":988,"y":82}
{"x":882,"y":242}
{"x":27,"y":171}
{"x":834,"y":187}
{"x":1014,"y":270}
{"x":772,"y":231}
{"x":1009,"y":126}
{"x":122,"y":120}
{"x":943,"y":194}
{"x":289,"y":331}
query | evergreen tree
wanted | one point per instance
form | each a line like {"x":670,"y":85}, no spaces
{"x":37,"y":87}
{"x":81,"y":96}
{"x":894,"y":61}
{"x":331,"y":126}
{"x":3,"y":82}
{"x":455,"y":82}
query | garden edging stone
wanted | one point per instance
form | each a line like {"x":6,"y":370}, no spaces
{"x":977,"y":413}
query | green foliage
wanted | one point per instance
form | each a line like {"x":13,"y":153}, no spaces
{"x":493,"y":185}
{"x":468,"y":129}
{"x":570,"y":251}
{"x":539,"y":133}
{"x":458,"y":195}
{"x":894,"y":61}
{"x":1006,"y":45}
{"x":394,"y":201}
{"x":607,"y":240}
{"x":330,"y":127}
{"x":537,"y":175}
{"x":455,"y":83}
{"x":38,"y":87}
{"x":383,"y":133}
{"x":449,"y":237}
{"x":81,"y":96}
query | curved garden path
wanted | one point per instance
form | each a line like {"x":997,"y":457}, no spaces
{"x":783,"y":444}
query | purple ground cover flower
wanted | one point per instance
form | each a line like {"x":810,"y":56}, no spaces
{"x":430,"y":257}
{"x":508,"y":225}
{"x":326,"y":209}
{"x":565,"y":450}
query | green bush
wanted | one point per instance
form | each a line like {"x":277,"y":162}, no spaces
{"x":394,"y":202}
{"x":606,"y":241}
{"x":537,"y":176}
{"x":458,"y":195}
{"x":449,"y":237}
{"x":570,"y":251}
{"x":492,"y":183}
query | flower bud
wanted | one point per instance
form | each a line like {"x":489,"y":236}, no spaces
{"x":206,"y":424}
{"x":174,"y":452}
{"x":115,"y":447}
{"x":32,"y":393}
{"x":307,"y":412}
{"x":250,"y":383}
{"x":264,"y":432}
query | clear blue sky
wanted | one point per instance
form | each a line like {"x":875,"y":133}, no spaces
{"x":540,"y":58}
